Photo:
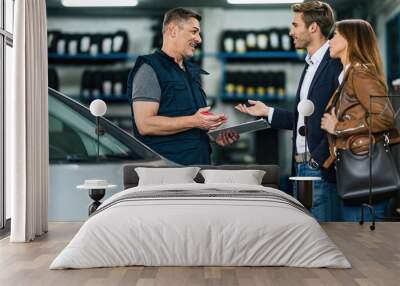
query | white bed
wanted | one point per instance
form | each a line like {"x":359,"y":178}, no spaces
{"x":222,"y":225}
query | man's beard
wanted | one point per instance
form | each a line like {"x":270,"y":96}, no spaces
{"x":187,"y":56}
{"x":303,"y":44}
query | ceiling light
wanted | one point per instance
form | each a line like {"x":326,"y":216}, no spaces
{"x":264,"y":1}
{"x":99,"y":3}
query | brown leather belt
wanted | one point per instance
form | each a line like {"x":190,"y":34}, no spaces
{"x":302,"y":157}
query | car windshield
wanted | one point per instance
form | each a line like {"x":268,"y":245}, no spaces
{"x":72,"y":135}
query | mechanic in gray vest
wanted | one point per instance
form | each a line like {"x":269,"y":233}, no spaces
{"x":170,"y":113}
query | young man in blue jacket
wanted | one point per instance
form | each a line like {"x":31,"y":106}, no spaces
{"x":311,"y":25}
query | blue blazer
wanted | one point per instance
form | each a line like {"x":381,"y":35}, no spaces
{"x":322,"y":87}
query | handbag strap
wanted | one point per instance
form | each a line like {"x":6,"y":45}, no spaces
{"x":375,"y":138}
{"x":353,"y":138}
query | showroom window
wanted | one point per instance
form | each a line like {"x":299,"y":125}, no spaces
{"x":6,"y":43}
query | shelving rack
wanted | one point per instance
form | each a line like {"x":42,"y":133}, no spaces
{"x":224,"y":57}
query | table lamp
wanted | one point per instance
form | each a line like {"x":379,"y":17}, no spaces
{"x":306,"y":109}
{"x":305,"y":184}
{"x":98,"y":108}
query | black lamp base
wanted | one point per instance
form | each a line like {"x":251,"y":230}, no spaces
{"x":305,"y":193}
{"x":96,"y":195}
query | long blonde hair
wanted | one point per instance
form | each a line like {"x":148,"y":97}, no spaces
{"x":362,"y":46}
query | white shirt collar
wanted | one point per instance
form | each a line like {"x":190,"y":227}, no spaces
{"x":317,"y":57}
{"x":341,"y":76}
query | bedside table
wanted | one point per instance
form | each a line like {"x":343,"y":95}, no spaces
{"x":305,"y":189}
{"x":97,"y":190}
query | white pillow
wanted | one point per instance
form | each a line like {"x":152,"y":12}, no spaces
{"x":166,"y":176}
{"x":248,"y":177}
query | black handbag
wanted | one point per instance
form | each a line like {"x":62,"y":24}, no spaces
{"x":353,"y":171}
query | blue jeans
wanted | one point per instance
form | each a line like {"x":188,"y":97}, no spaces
{"x":326,"y":201}
{"x":350,"y":213}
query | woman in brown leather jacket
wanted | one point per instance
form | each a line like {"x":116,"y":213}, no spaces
{"x":354,"y":42}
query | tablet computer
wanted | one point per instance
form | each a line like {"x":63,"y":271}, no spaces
{"x":246,"y":127}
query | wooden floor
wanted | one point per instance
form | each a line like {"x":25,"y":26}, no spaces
{"x":375,"y":257}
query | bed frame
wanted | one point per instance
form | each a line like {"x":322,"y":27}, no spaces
{"x":270,"y":179}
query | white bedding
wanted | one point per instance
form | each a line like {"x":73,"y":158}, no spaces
{"x":182,"y":231}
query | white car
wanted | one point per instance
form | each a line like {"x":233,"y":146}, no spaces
{"x":73,"y":156}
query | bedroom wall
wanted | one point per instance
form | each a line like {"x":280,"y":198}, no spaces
{"x":214,"y":21}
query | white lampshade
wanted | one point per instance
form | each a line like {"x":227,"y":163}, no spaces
{"x":305,"y":107}
{"x":98,"y":107}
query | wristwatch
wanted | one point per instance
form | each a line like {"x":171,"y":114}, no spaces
{"x":313,"y":164}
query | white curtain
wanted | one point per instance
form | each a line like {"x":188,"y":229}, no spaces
{"x":27,"y":123}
